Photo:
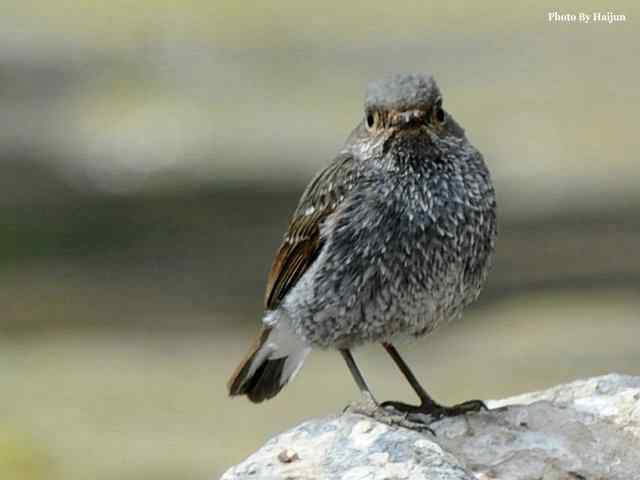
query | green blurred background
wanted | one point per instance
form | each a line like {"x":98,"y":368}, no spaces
{"x":151,"y":152}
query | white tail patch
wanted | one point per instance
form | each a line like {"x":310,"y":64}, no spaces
{"x":282,"y":343}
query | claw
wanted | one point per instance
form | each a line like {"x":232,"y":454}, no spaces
{"x":467,"y":407}
{"x":402,"y":407}
{"x":436,"y":411}
{"x":392,"y":416}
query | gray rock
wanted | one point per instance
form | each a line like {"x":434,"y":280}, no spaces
{"x":588,"y":429}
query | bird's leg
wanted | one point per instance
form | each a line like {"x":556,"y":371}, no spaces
{"x":370,"y":407}
{"x":428,"y":406}
{"x":357,"y":375}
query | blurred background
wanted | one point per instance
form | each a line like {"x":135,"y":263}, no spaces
{"x":151,"y":153}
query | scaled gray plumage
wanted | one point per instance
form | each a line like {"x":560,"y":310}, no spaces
{"x":393,"y":237}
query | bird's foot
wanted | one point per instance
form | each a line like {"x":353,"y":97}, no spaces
{"x":389,"y":416}
{"x":431,"y":412}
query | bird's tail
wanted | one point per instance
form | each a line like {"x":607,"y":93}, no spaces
{"x":274,"y":358}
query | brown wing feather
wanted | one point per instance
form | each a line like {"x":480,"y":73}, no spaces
{"x":292,"y":260}
{"x":303,"y":242}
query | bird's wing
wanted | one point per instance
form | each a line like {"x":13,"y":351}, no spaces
{"x":302,"y":242}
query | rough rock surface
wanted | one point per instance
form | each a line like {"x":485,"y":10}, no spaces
{"x":585,"y":430}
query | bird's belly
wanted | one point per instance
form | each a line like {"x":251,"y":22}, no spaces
{"x":379,"y":318}
{"x":387,"y":301}
{"x":379,"y":284}
{"x":414,"y":310}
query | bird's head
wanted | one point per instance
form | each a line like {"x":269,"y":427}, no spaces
{"x":403,"y":108}
{"x":403,"y":102}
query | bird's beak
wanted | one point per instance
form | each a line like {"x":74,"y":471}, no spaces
{"x":407,"y":118}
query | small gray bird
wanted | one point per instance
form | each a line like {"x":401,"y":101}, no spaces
{"x":392,"y":238}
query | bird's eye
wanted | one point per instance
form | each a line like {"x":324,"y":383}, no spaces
{"x":371,"y":119}
{"x":438,"y":112}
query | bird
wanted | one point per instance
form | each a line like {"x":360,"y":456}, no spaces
{"x":394,"y":237}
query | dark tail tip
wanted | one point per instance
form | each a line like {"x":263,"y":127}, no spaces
{"x":265,"y":382}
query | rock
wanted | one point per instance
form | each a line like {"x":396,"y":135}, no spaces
{"x":585,"y":430}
